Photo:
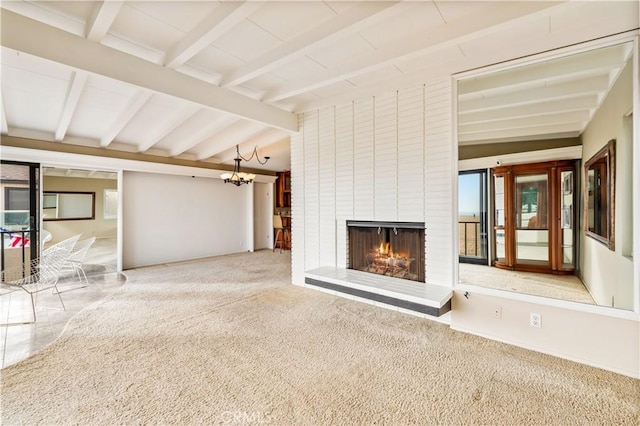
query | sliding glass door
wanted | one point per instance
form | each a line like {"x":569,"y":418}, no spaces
{"x":19,"y":218}
{"x":472,"y":216}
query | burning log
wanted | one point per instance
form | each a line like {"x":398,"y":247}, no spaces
{"x":384,"y":261}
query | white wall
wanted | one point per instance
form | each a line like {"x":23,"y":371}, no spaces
{"x":262,"y":215}
{"x":603,"y":341}
{"x":608,"y":274}
{"x":168,"y":218}
{"x":383,"y":158}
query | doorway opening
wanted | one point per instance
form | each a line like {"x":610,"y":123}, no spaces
{"x":64,"y":189}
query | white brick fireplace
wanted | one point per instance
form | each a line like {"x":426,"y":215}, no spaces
{"x":386,"y":158}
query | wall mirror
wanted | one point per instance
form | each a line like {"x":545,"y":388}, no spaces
{"x":68,"y":205}
{"x":545,"y":184}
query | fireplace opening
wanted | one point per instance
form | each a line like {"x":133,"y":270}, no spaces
{"x":393,"y":249}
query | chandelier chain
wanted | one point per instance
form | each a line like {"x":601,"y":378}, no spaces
{"x":253,"y":154}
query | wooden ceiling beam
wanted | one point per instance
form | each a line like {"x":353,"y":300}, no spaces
{"x":102,"y":17}
{"x":329,"y":31}
{"x":76,"y":87}
{"x":226,"y":16}
{"x":448,"y":35}
{"x":28,"y":36}
{"x":125,"y":116}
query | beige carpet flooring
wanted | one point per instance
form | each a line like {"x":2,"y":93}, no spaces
{"x":565,"y":287}
{"x":228,"y":341}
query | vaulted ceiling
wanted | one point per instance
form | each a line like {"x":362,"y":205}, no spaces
{"x":193,"y":79}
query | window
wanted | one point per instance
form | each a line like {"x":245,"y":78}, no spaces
{"x":110,"y":204}
{"x":600,"y":195}
{"x":16,"y":198}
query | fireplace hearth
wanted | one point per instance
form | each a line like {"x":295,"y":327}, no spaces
{"x":393,"y":249}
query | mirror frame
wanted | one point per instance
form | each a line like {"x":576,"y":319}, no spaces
{"x":93,"y":206}
{"x":606,"y":155}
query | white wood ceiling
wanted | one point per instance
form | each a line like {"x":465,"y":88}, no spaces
{"x":193,"y":79}
{"x":552,"y":99}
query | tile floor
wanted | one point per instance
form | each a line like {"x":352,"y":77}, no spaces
{"x":17,"y":342}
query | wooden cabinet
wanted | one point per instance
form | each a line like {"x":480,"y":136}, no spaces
{"x":283,"y":190}
{"x":283,"y":200}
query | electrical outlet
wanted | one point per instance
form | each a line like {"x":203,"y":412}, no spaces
{"x":497,"y":312}
{"x":535,"y":320}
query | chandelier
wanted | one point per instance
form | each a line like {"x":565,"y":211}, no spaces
{"x":237,"y":177}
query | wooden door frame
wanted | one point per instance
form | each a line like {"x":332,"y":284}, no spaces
{"x":554,"y":216}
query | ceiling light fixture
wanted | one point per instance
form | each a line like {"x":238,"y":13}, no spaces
{"x":237,"y":177}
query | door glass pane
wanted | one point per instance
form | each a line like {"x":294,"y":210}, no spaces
{"x":499,"y":217}
{"x":499,"y":200}
{"x":500,"y":248}
{"x":566,"y":218}
{"x":532,"y":217}
{"x":16,"y":215}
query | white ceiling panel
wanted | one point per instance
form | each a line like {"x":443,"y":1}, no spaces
{"x":99,"y":106}
{"x":45,"y":11}
{"x":379,"y":75}
{"x":182,"y":15}
{"x":77,"y":10}
{"x":246,"y":41}
{"x":110,"y":86}
{"x":339,"y":6}
{"x":286,"y":20}
{"x":294,"y":69}
{"x":340,"y":51}
{"x":333,"y":89}
{"x":443,"y":59}
{"x":620,"y":15}
{"x":454,"y":10}
{"x":33,"y":111}
{"x":34,"y":64}
{"x":188,"y":128}
{"x":136,"y":26}
{"x":33,"y":100}
{"x":150,"y":119}
{"x":216,"y":60}
{"x":259,"y":85}
{"x":417,"y":19}
{"x":521,"y":36}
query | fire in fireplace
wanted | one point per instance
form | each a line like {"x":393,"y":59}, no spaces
{"x":392,"y":249}
{"x":384,"y":261}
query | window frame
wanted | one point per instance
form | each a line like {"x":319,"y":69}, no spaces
{"x":605,"y":159}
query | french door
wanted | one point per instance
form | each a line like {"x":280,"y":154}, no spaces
{"x":20,"y":218}
{"x":535,"y":217}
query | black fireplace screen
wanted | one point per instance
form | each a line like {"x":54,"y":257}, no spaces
{"x":387,"y":249}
